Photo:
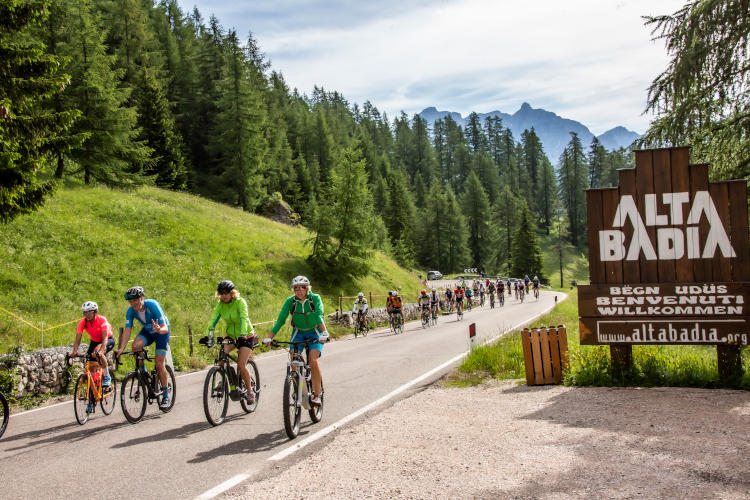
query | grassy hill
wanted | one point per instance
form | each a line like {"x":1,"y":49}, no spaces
{"x":92,"y":243}
{"x":575,"y":262}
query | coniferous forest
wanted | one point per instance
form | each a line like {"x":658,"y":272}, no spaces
{"x":127,"y":92}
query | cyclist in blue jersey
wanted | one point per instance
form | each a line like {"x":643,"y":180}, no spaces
{"x":155,"y":329}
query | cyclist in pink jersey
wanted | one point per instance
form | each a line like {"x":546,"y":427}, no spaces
{"x":100,"y":334}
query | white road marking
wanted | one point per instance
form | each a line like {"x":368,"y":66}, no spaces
{"x":217,"y":490}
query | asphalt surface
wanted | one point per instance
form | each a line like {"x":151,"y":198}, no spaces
{"x":46,"y":454}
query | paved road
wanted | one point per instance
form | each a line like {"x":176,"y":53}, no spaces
{"x":46,"y":454}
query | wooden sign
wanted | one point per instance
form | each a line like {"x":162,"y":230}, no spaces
{"x":669,"y":256}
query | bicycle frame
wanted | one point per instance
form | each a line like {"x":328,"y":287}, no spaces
{"x":90,"y":367}
{"x":298,"y":364}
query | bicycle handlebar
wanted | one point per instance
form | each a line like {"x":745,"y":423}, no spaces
{"x":276,"y":343}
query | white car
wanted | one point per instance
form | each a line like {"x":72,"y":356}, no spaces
{"x":434,"y":275}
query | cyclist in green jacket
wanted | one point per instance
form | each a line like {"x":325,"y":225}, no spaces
{"x":233,"y":310}
{"x":306,"y":309}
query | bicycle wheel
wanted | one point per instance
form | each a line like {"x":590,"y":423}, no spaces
{"x":81,"y":399}
{"x":316,"y":412}
{"x":425,"y":321}
{"x":215,"y":395}
{"x":255,"y":387}
{"x":133,"y":398}
{"x":291,"y":408}
{"x":109,"y":400}
{"x":5,"y":409}
{"x":171,"y":389}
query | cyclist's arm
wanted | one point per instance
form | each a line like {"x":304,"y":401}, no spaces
{"x":246,"y":327}
{"x":124,"y":339}
{"x":159,"y":324}
{"x":283,"y":315}
{"x":215,"y":317}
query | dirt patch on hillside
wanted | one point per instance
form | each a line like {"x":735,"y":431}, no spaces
{"x":503,"y":440}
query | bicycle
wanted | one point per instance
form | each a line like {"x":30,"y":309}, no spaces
{"x":223,"y":382}
{"x":468,"y":303}
{"x":521,"y":293}
{"x":492,"y":301}
{"x":536,"y":293}
{"x":425,"y":316}
{"x":459,"y":311}
{"x":141,"y":386}
{"x":360,"y":327}
{"x":89,"y":391}
{"x":397,"y":324}
{"x":5,"y":415}
{"x":501,"y":296}
{"x":434,"y":316}
{"x":298,"y":388}
{"x":481,"y":300}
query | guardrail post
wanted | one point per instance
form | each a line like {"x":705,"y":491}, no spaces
{"x":190,"y":339}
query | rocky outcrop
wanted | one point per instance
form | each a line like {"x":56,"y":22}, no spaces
{"x":280,"y":211}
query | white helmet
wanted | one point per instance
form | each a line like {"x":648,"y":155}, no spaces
{"x":360,"y":294}
{"x":395,"y":293}
{"x":434,"y":289}
{"x":89,"y":306}
{"x":300,"y":280}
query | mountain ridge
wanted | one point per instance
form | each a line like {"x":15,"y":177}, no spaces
{"x":552,"y":129}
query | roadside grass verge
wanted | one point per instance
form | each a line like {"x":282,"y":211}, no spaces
{"x":663,"y":366}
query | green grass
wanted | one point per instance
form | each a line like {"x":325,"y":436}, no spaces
{"x":92,"y":243}
{"x":575,"y":262}
{"x":669,"y":365}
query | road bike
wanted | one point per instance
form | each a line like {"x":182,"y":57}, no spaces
{"x":521,"y":294}
{"x":434,"y":315}
{"x":89,"y":390}
{"x":5,"y":409}
{"x":536,"y":293}
{"x":481,"y":300}
{"x":224,"y":382}
{"x":397,"y":323}
{"x":425,"y":316}
{"x":501,"y":297}
{"x":449,"y":305}
{"x":492,"y":301}
{"x":459,"y":310}
{"x":360,"y":327}
{"x":468,"y":303}
{"x":141,"y":386}
{"x":298,"y":387}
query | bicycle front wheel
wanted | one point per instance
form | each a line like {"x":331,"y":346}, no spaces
{"x":171,"y":390}
{"x":254,"y":386}
{"x":109,"y":400}
{"x":5,"y":409}
{"x":316,"y":412}
{"x":81,"y":399}
{"x":215,"y":395}
{"x":133,"y":398}
{"x":291,"y":407}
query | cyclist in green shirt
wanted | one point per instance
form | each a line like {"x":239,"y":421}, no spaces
{"x":233,"y":310}
{"x":306,"y":309}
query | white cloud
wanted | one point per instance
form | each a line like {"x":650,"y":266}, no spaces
{"x":589,"y":60}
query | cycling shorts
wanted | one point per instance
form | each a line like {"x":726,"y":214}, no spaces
{"x":250,"y":341}
{"x":161,"y":341}
{"x":300,"y":336}
{"x":94,"y":345}
{"x":459,"y":298}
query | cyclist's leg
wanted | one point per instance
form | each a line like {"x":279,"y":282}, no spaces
{"x":140,"y":342}
{"x":162,"y":344}
{"x":242,"y":357}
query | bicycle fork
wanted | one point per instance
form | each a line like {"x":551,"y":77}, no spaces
{"x":303,"y":395}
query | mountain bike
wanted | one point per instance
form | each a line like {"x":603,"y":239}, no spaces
{"x":5,"y":409}
{"x":397,"y":323}
{"x":459,"y":310}
{"x":434,"y":316}
{"x":141,"y":386}
{"x":89,"y":389}
{"x":298,"y":387}
{"x":224,"y":382}
{"x":425,"y":316}
{"x":360,"y":327}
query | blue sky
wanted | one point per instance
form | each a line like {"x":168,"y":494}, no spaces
{"x":588,"y":60}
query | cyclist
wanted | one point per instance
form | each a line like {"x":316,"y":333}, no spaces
{"x":306,"y":309}
{"x":449,"y":298}
{"x":459,"y":294}
{"x":469,"y":293}
{"x":526,"y":281}
{"x":155,"y":329}
{"x":394,"y":305}
{"x":491,"y":291}
{"x":360,"y":308}
{"x":482,"y":291}
{"x":515,"y":288}
{"x":520,"y":289}
{"x":233,"y":310}
{"x":535,"y":282}
{"x":434,"y":301}
{"x":97,"y":327}
{"x":509,"y":287}
{"x":501,"y":290}
{"x":423,"y":301}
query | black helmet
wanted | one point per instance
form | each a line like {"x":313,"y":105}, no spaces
{"x":134,"y":292}
{"x":225,"y":286}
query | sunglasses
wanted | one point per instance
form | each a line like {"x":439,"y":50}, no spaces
{"x":300,"y":287}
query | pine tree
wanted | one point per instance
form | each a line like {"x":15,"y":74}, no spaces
{"x":28,"y":77}
{"x":475,"y":134}
{"x":572,"y":179}
{"x":527,"y":255}
{"x":348,"y":234}
{"x":476,"y":206}
{"x":547,"y":193}
{"x":505,"y":212}
{"x":532,"y":161}
{"x":158,"y":133}
{"x":458,"y":255}
{"x":596,"y":159}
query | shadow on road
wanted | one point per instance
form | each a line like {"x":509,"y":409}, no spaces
{"x":77,"y":433}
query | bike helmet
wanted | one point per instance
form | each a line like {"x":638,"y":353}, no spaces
{"x":536,"y":278}
{"x":225,"y":286}
{"x":360,"y":294}
{"x":434,"y":289}
{"x":395,"y":293}
{"x":424,"y":291}
{"x":300,"y":280}
{"x":134,"y":293}
{"x":89,"y":306}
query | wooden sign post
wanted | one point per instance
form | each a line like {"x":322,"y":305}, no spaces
{"x":669,"y":260}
